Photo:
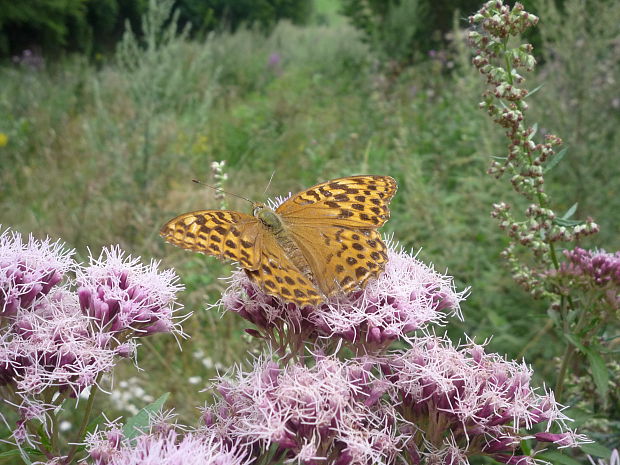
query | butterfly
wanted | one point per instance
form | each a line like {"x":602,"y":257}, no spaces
{"x":319,"y":242}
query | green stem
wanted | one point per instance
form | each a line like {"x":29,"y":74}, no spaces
{"x":55,"y":433}
{"x":559,"y":385}
{"x":85,"y":419}
{"x":548,"y":325}
{"x":568,"y":353}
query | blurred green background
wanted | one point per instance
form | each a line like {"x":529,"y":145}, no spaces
{"x":109,"y":108}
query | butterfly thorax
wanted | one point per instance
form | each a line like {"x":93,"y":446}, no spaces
{"x":272,"y":221}
{"x":268,"y":217}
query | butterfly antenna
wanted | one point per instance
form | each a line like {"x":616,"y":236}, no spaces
{"x":269,"y":183}
{"x":222,"y":190}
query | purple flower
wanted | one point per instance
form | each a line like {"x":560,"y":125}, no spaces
{"x":29,"y":270}
{"x":407,"y":296}
{"x":166,"y":447}
{"x":471,"y":400}
{"x":55,"y":340}
{"x":120,"y":294}
{"x":275,"y":60}
{"x":327,"y":412}
{"x":601,"y":267}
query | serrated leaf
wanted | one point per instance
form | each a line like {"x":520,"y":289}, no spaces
{"x":555,"y":160}
{"x":44,"y":438}
{"x":600,"y":373}
{"x":536,"y":89}
{"x":140,"y":421}
{"x":556,"y":458}
{"x":596,"y":449}
{"x":534,"y":131}
{"x":33,"y":451}
{"x":570,"y":212}
{"x":92,"y":424}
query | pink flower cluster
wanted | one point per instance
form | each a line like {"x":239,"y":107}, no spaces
{"x":53,"y":339}
{"x":161,"y":447}
{"x":328,"y":413}
{"x":29,"y":270}
{"x":433,"y":403}
{"x":408,"y":296}
{"x":600,"y":267}
{"x":469,"y":402}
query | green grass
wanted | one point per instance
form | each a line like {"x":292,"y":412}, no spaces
{"x":105,"y":154}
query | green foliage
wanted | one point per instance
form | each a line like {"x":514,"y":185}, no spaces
{"x":402,"y":30}
{"x":49,"y":26}
{"x":95,"y":26}
{"x":207,"y":15}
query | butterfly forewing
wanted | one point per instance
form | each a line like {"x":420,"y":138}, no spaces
{"x":355,"y":201}
{"x":225,"y":234}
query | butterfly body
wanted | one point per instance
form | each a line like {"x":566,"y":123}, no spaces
{"x":319,"y":242}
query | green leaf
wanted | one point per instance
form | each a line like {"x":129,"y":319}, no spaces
{"x":526,"y":447}
{"x":9,"y":453}
{"x":557,"y":158}
{"x":556,"y":458}
{"x":92,"y":424}
{"x":578,"y":415}
{"x":534,"y":131}
{"x":17,"y":453}
{"x":141,"y":420}
{"x":536,"y":89}
{"x":570,"y":212}
{"x":567,"y":223}
{"x":576,"y":342}
{"x":596,"y":449}
{"x":600,"y":374}
{"x":44,"y":438}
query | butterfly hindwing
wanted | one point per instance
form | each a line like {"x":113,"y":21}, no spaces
{"x":348,"y":258}
{"x":278,"y":276}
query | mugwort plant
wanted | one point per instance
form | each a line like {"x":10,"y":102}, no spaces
{"x":582,"y":287}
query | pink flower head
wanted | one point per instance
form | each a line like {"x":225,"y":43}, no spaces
{"x":168,"y":447}
{"x":313,"y":414}
{"x":29,"y":270}
{"x":52,"y":345}
{"x":601,"y":267}
{"x":120,"y":293}
{"x":481,"y":399}
{"x":407,"y":296}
